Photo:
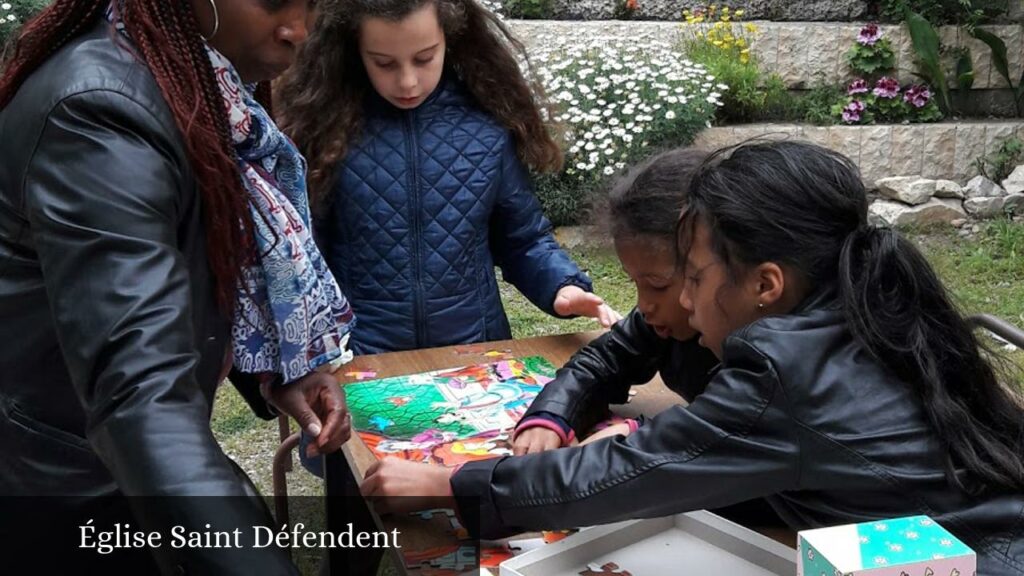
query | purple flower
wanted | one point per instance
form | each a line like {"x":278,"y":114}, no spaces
{"x":869,"y":34}
{"x":852,"y":111}
{"x":858,"y":86}
{"x":886,"y":87}
{"x":917,"y":96}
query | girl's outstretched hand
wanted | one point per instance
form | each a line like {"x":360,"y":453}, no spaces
{"x":536,"y":439}
{"x":402,"y":486}
{"x":575,"y":301}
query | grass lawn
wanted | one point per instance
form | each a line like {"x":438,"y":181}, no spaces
{"x":986,"y":274}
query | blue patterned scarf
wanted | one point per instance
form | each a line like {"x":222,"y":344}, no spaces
{"x":291,"y":316}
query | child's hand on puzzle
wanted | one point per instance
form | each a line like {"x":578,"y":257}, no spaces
{"x":575,"y":301}
{"x":414,"y":485}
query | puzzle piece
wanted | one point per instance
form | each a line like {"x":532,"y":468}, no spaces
{"x":606,"y":569}
{"x":493,"y":556}
{"x":442,"y":560}
{"x":525,"y":545}
{"x":368,"y":375}
{"x":453,"y":521}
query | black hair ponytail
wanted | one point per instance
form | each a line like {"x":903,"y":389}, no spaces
{"x":901,"y":313}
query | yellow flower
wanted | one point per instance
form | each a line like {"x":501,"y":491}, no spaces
{"x":751,"y":28}
{"x":744,"y":59}
{"x":739,"y":13}
{"x":717,"y":43}
{"x":725,"y":18}
{"x":725,"y":9}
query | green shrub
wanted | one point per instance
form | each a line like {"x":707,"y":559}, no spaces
{"x":13,"y":13}
{"x":616,"y":101}
{"x":939,"y":12}
{"x":999,"y":164}
{"x":527,"y":9}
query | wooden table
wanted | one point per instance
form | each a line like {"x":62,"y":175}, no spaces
{"x":416,"y":534}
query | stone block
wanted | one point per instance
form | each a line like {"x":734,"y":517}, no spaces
{"x":1014,"y":183}
{"x":984,"y":207}
{"x":905,"y":54}
{"x":981,"y":187}
{"x":907,"y":150}
{"x":911,"y":190}
{"x":970,"y":144}
{"x":816,"y":135}
{"x":819,"y":64}
{"x":939,"y":151}
{"x":715,"y":137}
{"x":846,"y":141}
{"x":981,"y":59}
{"x":846,"y":37}
{"x":995,"y":134}
{"x":948,"y":189}
{"x":875,"y":152}
{"x":1014,"y":203}
{"x":792,"y":54}
{"x":1011,"y":36}
{"x":935,"y":211}
{"x":765,"y":47}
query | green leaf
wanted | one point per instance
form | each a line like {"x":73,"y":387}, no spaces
{"x":964,"y":71}
{"x":926,"y":44}
{"x":998,"y":48}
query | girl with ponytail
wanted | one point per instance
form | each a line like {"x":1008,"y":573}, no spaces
{"x":850,"y":387}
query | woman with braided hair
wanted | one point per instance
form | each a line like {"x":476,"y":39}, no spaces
{"x":154,"y":234}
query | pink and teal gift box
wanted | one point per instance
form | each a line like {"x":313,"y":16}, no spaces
{"x":913,"y":546}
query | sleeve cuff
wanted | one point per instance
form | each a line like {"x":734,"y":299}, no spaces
{"x":471,"y":487}
{"x":545,"y":422}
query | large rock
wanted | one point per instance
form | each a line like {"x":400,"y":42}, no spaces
{"x":981,"y":187}
{"x":948,"y":189}
{"x":1014,"y":183}
{"x":935,"y":211}
{"x":907,"y":189}
{"x":989,"y":207}
{"x":1014,"y":203}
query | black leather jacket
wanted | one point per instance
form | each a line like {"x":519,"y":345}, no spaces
{"x":798,"y":413}
{"x":112,"y":340}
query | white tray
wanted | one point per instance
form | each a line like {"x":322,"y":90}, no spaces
{"x":695,"y":543}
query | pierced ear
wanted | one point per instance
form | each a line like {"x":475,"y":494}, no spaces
{"x":770,"y":284}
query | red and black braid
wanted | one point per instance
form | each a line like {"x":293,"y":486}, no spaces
{"x":165,"y":36}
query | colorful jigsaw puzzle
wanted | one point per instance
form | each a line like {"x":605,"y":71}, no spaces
{"x":447,"y":416}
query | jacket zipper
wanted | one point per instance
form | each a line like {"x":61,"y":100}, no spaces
{"x":414,"y":197}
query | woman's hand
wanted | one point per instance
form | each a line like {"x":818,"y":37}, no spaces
{"x":575,"y":301}
{"x":534,"y":440}
{"x":405,"y":486}
{"x":317,"y":403}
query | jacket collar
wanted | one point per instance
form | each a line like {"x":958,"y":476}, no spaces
{"x":448,"y":90}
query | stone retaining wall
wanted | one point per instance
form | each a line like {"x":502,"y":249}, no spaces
{"x":805,"y":53}
{"x":778,"y":10}
{"x":945,"y":150}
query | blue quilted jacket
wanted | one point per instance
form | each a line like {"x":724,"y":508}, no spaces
{"x":425,"y":204}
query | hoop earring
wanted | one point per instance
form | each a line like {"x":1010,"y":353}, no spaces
{"x":216,"y":21}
